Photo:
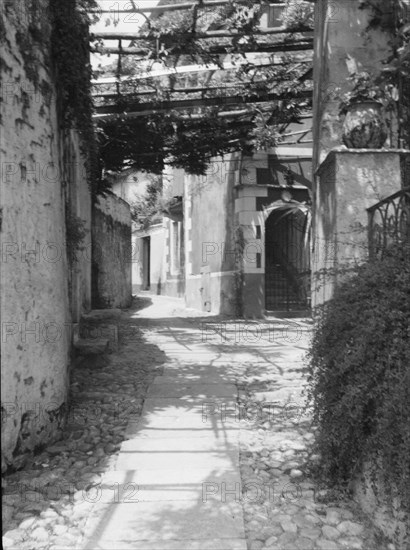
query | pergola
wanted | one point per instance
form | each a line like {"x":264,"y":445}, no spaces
{"x":136,"y":95}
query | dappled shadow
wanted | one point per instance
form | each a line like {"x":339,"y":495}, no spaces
{"x":140,"y":302}
{"x":182,"y":455}
{"x":185,"y":443}
{"x":105,"y":394}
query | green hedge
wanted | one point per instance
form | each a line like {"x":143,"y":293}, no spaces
{"x":359,"y":375}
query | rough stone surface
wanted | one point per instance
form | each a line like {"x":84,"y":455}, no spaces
{"x":91,"y":347}
{"x":350,"y":528}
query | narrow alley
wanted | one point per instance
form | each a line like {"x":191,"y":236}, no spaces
{"x":191,"y":435}
{"x":205,"y":274}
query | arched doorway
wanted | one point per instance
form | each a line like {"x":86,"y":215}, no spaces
{"x":287,"y":260}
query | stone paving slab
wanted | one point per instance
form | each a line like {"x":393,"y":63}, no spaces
{"x":193,"y":375}
{"x":201,"y":432}
{"x":145,"y":445}
{"x":167,"y":478}
{"x":129,"y":491}
{"x":191,"y":390}
{"x":193,"y":544}
{"x":174,"y":406}
{"x":210,"y":489}
{"x":163,"y":521}
{"x":163,"y":460}
{"x":217,"y":421}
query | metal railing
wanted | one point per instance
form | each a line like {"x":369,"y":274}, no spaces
{"x":389,"y":222}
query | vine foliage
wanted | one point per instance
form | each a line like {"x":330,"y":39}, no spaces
{"x":70,"y":55}
{"x":393,"y":17}
{"x":359,"y":376}
{"x":179,"y":139}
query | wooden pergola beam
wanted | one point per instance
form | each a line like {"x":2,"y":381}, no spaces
{"x":198,"y":68}
{"x":183,"y":6}
{"x":192,"y":116}
{"x":198,"y":35}
{"x":179,"y":90}
{"x":201,"y":102}
{"x":195,"y":116}
{"x":295,"y":45}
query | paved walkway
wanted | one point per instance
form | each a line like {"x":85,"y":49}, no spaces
{"x":170,"y":469}
{"x":219,"y":458}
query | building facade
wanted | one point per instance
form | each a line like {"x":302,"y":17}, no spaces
{"x":235,"y":241}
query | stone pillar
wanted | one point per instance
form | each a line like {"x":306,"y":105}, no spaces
{"x":341,"y":30}
{"x":345,"y":182}
{"x":349,"y":182}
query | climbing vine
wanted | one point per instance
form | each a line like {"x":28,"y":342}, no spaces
{"x":359,"y":377}
{"x":70,"y":55}
{"x":75,"y":235}
{"x":393,"y":17}
{"x":147,"y":142}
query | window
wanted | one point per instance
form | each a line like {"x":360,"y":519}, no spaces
{"x":258,"y":260}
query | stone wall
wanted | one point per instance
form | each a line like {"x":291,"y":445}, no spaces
{"x":350,"y":181}
{"x":112,"y":253}
{"x":35,"y":181}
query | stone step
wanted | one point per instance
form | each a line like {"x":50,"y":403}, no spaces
{"x":161,"y":460}
{"x":98,"y":346}
{"x":289,"y":314}
{"x":102,"y":314}
{"x":198,"y":390}
{"x":190,"y":544}
{"x":147,"y":485}
{"x":91,"y":332}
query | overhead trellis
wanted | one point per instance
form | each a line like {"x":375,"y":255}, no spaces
{"x":256,"y":86}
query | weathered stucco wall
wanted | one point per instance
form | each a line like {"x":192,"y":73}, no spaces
{"x":340,"y":31}
{"x":212,"y":255}
{"x":351,"y":180}
{"x":112,"y":253}
{"x":35,"y":309}
{"x":79,"y":205}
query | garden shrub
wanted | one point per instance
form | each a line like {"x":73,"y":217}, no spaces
{"x":359,"y":376}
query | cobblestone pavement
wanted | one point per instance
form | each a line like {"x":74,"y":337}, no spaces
{"x":46,"y":505}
